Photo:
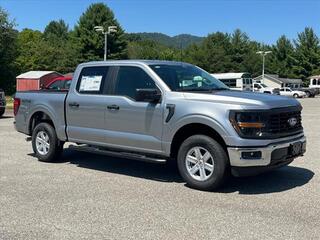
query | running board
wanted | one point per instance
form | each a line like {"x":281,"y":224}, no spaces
{"x":127,"y":155}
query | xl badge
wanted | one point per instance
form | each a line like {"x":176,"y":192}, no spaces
{"x":292,"y":121}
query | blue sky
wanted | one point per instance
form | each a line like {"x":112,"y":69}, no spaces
{"x":262,"y":20}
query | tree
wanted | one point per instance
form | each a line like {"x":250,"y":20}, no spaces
{"x":307,"y":53}
{"x":282,"y":58}
{"x":39,"y":53}
{"x":148,"y":49}
{"x":30,"y":43}
{"x":213,"y":54}
{"x":62,"y":49}
{"x":8,"y":52}
{"x":239,"y":49}
{"x":56,"y":31}
{"x":91,"y":43}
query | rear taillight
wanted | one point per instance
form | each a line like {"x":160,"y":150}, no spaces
{"x":16,"y":105}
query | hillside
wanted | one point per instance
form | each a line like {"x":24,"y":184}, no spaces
{"x":178,"y":41}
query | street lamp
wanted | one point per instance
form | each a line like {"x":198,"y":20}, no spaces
{"x":110,"y":29}
{"x":263,"y":54}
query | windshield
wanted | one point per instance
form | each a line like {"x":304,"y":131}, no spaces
{"x":185,"y":77}
{"x":263,"y":85}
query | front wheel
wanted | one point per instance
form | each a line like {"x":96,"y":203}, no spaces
{"x":45,"y":143}
{"x":308,"y":94}
{"x":202,"y":162}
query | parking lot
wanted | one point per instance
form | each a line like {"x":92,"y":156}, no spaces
{"x":87,"y":196}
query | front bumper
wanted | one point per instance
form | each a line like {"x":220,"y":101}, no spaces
{"x":270,"y":155}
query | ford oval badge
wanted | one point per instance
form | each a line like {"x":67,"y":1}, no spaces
{"x":292,"y":121}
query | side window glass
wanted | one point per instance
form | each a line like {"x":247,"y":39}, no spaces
{"x":92,"y":80}
{"x":67,"y":84}
{"x":55,"y":85}
{"x":131,"y":78}
{"x":233,"y":83}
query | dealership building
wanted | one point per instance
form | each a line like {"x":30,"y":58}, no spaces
{"x":273,"y":80}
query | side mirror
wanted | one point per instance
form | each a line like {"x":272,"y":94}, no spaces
{"x":148,"y":95}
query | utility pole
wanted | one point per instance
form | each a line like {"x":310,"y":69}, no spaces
{"x":263,"y":54}
{"x":110,"y":29}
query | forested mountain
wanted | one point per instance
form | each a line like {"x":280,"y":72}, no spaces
{"x":178,"y":41}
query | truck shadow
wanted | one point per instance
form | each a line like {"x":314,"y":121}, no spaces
{"x":278,"y":180}
{"x":158,"y":172}
{"x":5,"y":117}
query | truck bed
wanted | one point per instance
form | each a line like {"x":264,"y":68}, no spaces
{"x":50,"y":102}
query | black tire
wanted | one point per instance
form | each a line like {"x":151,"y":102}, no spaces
{"x":55,"y":146}
{"x":2,"y":112}
{"x":308,"y":94}
{"x":219,"y":158}
{"x":295,"y":95}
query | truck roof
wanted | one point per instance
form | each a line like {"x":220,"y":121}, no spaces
{"x":148,"y":62}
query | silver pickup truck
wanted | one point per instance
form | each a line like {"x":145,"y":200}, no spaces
{"x":159,"y":111}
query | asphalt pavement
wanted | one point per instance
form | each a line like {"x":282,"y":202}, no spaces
{"x":86,"y":196}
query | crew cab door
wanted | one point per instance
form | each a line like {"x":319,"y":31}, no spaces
{"x":86,"y":105}
{"x":132,"y":124}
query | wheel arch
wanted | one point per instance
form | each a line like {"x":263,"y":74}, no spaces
{"x":190,"y":129}
{"x":39,"y":116}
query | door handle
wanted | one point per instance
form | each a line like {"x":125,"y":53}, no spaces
{"x":74,"y":104}
{"x":113,"y":107}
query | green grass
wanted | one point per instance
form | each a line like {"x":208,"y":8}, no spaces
{"x":9,"y":100}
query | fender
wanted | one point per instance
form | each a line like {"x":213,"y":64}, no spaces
{"x":170,"y":131}
{"x":59,"y":126}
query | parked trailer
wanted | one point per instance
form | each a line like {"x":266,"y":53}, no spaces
{"x":235,"y":81}
{"x":315,"y":83}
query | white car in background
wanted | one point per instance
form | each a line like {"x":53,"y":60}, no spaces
{"x":285,"y":91}
{"x":261,"y":87}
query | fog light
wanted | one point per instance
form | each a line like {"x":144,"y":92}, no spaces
{"x":251,"y":155}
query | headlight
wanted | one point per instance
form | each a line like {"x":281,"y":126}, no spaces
{"x":249,"y":124}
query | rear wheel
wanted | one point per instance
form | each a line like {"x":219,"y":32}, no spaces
{"x":295,"y":95}
{"x":202,"y":162}
{"x":45,"y":143}
{"x":2,"y":112}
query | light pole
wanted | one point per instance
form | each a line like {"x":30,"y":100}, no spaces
{"x":110,"y":29}
{"x":263,"y":54}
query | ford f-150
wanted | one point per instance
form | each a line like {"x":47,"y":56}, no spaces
{"x":159,"y":111}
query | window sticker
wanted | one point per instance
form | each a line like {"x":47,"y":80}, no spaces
{"x":90,"y":83}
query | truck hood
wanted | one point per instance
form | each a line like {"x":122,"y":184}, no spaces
{"x":244,"y":99}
